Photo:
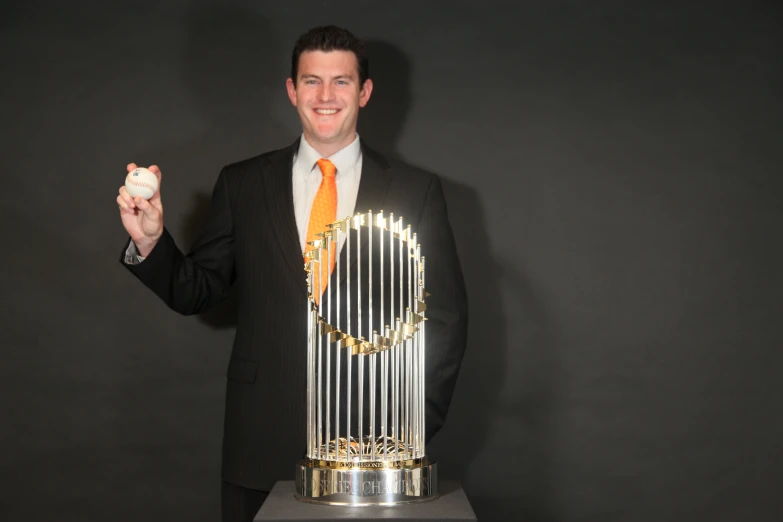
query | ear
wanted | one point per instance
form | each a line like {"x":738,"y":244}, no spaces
{"x":291,"y":88}
{"x":364,"y":94}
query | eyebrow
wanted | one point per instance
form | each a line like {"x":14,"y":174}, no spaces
{"x":339,"y":77}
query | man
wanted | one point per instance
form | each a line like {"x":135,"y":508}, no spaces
{"x":255,"y":237}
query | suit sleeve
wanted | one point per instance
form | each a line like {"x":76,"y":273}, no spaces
{"x":447,"y":308}
{"x":193,"y":283}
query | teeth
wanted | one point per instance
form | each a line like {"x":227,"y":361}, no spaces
{"x":326,"y":111}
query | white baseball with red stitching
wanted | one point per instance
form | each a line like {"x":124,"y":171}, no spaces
{"x":141,"y":182}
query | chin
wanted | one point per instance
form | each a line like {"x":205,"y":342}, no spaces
{"x":327,"y":137}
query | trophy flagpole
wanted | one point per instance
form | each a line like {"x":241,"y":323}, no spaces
{"x":310,"y":354}
{"x":371,"y":333}
{"x":401,"y":348}
{"x":337,"y":230}
{"x":384,"y":354}
{"x":320,"y":359}
{"x":349,"y":375}
{"x":360,"y":385}
{"x":328,"y":346}
{"x":396,"y":357}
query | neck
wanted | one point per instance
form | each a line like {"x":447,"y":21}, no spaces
{"x":328,"y":149}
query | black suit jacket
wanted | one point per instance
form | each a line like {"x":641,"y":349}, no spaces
{"x":251,"y":239}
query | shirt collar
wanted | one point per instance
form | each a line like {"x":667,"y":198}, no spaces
{"x":344,"y":159}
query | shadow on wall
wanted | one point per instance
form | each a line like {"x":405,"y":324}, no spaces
{"x":382,"y":120}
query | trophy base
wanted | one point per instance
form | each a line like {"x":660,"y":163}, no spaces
{"x":322,"y":482}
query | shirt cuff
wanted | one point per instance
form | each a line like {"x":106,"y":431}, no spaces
{"x":132,"y":256}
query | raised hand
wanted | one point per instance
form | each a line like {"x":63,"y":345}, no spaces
{"x":142,"y":219}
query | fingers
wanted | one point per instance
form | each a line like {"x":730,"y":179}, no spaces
{"x":131,"y":166}
{"x":124,"y":206}
{"x":129,"y":200}
{"x":129,"y":205}
{"x":150,"y":211}
{"x":142,"y":204}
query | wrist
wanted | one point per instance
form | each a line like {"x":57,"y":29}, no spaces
{"x":145,"y":245}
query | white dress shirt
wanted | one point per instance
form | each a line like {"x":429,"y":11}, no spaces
{"x":306,"y":182}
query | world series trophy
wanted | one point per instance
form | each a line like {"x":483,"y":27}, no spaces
{"x":365,"y":367}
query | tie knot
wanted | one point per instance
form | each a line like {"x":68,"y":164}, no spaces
{"x":327,"y":168}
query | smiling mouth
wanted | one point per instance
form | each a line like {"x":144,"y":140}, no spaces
{"x":326,"y":112}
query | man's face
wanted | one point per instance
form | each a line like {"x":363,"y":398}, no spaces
{"x":327,"y":96}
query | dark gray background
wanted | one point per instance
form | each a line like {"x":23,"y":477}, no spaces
{"x":612,"y":172}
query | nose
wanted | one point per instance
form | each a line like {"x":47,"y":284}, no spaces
{"x":326,"y":92}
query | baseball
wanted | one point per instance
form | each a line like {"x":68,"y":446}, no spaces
{"x":141,"y":182}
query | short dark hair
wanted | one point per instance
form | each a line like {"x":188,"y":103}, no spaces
{"x":331,"y":38}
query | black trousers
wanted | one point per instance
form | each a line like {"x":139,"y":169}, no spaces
{"x":240,"y":504}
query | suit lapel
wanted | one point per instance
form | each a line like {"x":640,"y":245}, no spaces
{"x":279,"y":195}
{"x":374,"y":181}
{"x":373,"y":186}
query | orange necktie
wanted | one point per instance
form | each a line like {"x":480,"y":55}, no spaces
{"x":322,"y":213}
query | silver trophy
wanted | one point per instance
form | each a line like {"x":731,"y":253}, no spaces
{"x":365,"y":367}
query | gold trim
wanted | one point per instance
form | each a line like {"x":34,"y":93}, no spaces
{"x":401,"y":330}
{"x":367,"y":465}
